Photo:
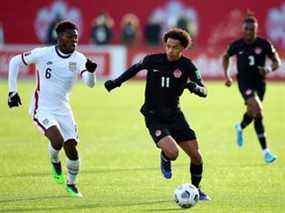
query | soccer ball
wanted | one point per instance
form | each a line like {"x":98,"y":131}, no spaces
{"x":186,"y":195}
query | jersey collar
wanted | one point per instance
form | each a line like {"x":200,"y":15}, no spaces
{"x":60,"y":54}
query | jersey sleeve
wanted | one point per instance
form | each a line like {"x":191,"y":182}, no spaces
{"x":81,"y":68}
{"x":145,"y":62}
{"x":194,"y":74}
{"x":232,"y":49}
{"x":32,"y":57}
{"x":134,"y":69}
{"x":269,"y":48}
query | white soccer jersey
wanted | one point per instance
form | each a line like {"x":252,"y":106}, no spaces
{"x":56,"y":74}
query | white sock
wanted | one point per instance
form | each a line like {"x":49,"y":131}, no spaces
{"x":72,"y":170}
{"x":53,"y":154}
{"x":265,"y":151}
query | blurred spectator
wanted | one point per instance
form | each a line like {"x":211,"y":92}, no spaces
{"x":186,"y":24}
{"x":183,"y":23}
{"x":51,"y":33}
{"x":130,"y":32}
{"x":1,"y":34}
{"x":153,"y":29}
{"x":174,"y":13}
{"x":102,"y":29}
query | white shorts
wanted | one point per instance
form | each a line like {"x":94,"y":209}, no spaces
{"x":65,"y":123}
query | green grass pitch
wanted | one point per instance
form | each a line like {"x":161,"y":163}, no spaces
{"x":120,"y":164}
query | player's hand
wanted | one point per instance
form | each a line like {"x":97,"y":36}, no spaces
{"x":14,"y":99}
{"x":90,"y":66}
{"x":197,"y":89}
{"x":191,"y":86}
{"x":229,"y":82}
{"x":111,"y":84}
{"x":264,"y":70}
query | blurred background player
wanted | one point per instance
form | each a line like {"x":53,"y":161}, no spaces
{"x":251,"y":52}
{"x":102,"y":29}
{"x":51,"y":31}
{"x":168,"y":75}
{"x":57,"y":69}
{"x":130,"y":30}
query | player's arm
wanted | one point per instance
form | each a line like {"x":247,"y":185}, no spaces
{"x":195,"y":84}
{"x":274,"y":57}
{"x":226,"y":62}
{"x":88,"y":74}
{"x":25,"y":58}
{"x":14,"y":99}
{"x":198,"y":88}
{"x":129,"y":73}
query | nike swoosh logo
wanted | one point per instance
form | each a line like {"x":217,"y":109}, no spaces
{"x":155,"y":70}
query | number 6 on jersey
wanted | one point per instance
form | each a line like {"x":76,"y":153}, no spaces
{"x":48,"y":73}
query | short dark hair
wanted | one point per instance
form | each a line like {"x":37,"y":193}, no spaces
{"x":65,"y":25}
{"x":178,"y":34}
{"x":250,"y":17}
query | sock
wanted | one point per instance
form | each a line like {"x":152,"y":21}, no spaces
{"x":164,"y":157}
{"x":246,"y":120}
{"x":265,"y":151}
{"x":72,"y":170}
{"x":53,"y":154}
{"x":196,"y":174}
{"x":259,"y":129}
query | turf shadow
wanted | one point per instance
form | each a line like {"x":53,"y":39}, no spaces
{"x":81,"y":207}
{"x":95,"y":171}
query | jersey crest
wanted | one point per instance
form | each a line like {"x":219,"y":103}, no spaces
{"x":158,"y":133}
{"x":177,"y":73}
{"x":258,"y":50}
{"x":72,"y":66}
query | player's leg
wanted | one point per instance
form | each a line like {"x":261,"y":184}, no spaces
{"x":73,"y":165}
{"x":191,"y":148}
{"x":259,"y":125}
{"x":48,"y":125}
{"x":246,"y":92}
{"x":169,"y":152}
{"x":54,"y":147}
{"x":70,"y":135}
{"x":161,"y":136}
{"x":187,"y":140}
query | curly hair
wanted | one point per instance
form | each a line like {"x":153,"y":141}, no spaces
{"x":180,"y":35}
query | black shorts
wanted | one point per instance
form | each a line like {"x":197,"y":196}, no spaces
{"x":250,"y":89}
{"x":177,"y":127}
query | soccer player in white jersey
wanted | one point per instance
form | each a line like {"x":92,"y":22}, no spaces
{"x":57,"y":68}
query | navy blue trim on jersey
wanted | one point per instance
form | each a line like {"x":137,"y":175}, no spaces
{"x":60,"y":54}
{"x":81,"y":73}
{"x":22,"y":56}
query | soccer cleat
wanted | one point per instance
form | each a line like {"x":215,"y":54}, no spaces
{"x":57,"y":173}
{"x":239,"y":135}
{"x":269,"y":157}
{"x":165,"y":167}
{"x":203,"y":196}
{"x":73,"y":191}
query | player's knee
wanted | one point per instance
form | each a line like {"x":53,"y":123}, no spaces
{"x":55,"y":137}
{"x":70,"y":150}
{"x":172,"y":154}
{"x":196,"y":158}
{"x":259,"y":115}
{"x":257,"y":111}
{"x":57,"y":142}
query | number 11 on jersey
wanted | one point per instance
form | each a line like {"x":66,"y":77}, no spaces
{"x":165,"y":82}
